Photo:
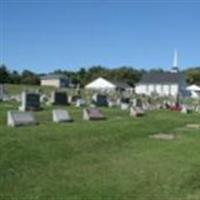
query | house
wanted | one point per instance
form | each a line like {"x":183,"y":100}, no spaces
{"x":171,"y":83}
{"x":101,"y":84}
{"x":57,"y":81}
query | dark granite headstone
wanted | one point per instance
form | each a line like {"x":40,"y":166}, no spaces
{"x":59,"y":98}
{"x":125,"y":100}
{"x":30,"y":101}
{"x":101,"y":100}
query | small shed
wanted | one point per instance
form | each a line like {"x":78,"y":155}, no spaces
{"x":57,"y":81}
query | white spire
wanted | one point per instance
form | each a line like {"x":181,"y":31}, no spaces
{"x":175,"y":61}
{"x":174,"y":68}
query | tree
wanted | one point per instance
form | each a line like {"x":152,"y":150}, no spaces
{"x":4,"y":74}
{"x":193,"y":76}
{"x":30,"y":78}
{"x":15,"y":77}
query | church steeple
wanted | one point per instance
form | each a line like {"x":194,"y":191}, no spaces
{"x":174,"y":68}
{"x":175,"y":61}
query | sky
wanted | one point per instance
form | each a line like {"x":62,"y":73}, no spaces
{"x":44,"y":35}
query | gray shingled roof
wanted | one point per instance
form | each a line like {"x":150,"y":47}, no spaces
{"x":120,"y":84}
{"x":163,"y":77}
{"x":54,"y":76}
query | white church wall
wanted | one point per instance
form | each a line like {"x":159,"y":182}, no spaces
{"x":140,"y":89}
{"x":162,"y":90}
{"x":151,"y":89}
{"x":174,"y":89}
{"x":158,"y":89}
{"x":166,"y":90}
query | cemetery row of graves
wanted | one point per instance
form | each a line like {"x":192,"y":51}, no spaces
{"x":137,"y":106}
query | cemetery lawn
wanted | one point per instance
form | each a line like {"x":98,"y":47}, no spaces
{"x":100,"y":160}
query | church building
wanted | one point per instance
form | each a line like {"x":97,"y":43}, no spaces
{"x":169,"y":83}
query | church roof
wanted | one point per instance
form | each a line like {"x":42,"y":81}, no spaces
{"x":161,"y":77}
{"x":120,"y":84}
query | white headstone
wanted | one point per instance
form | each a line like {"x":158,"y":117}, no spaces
{"x":184,"y":109}
{"x":60,"y":115}
{"x":124,"y":106}
{"x":136,"y":111}
{"x":111,"y":104}
{"x":80,"y":102}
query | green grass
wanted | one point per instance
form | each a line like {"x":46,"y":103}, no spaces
{"x":100,"y":160}
{"x":12,"y":89}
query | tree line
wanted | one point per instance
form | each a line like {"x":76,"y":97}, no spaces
{"x":83,"y":76}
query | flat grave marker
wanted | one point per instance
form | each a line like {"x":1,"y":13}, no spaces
{"x":163,"y":136}
{"x":193,"y":126}
{"x":19,"y":118}
{"x":93,"y":114}
{"x":60,"y":115}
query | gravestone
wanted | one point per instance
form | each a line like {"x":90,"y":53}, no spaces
{"x":60,"y":115}
{"x":184,"y":109}
{"x":197,"y":109}
{"x":136,"y":112}
{"x":80,"y":102}
{"x":75,"y":98}
{"x":1,"y":92}
{"x":197,"y":126}
{"x":44,"y":98}
{"x":93,"y":114}
{"x":124,"y":104}
{"x":30,"y":101}
{"x":163,"y":136}
{"x":19,"y":118}
{"x":111,"y":104}
{"x":100,"y":100}
{"x":139,"y":102}
{"x":59,"y":98}
{"x":125,"y":100}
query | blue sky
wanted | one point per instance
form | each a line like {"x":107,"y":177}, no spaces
{"x":49,"y":34}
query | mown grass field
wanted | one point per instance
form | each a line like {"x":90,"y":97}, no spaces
{"x":100,"y":160}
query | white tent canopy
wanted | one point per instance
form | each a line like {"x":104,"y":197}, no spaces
{"x":100,"y":84}
{"x":193,"y":88}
